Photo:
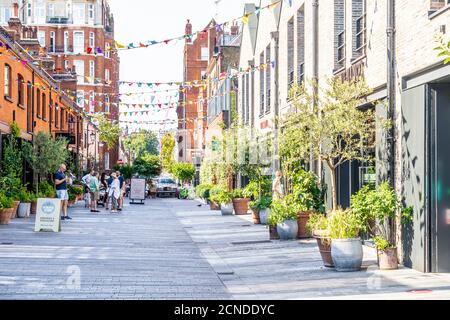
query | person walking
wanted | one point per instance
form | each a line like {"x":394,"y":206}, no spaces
{"x":122,"y":191}
{"x":94,"y":187}
{"x":86,"y":180}
{"x":114,"y":193}
{"x":277,"y":186}
{"x":61,"y":190}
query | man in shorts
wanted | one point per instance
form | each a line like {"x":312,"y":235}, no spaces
{"x":61,"y":190}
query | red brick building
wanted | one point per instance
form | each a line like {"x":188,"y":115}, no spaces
{"x":78,"y":37}
{"x":193,"y":110}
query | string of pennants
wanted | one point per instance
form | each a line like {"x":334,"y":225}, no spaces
{"x":219,"y":27}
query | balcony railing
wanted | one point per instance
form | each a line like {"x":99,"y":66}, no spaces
{"x":58,"y":20}
{"x":60,"y":49}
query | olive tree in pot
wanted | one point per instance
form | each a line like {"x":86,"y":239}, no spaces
{"x":318,"y":226}
{"x":346,"y":245}
{"x":285,"y":216}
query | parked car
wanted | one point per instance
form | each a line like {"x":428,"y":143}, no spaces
{"x":166,"y":187}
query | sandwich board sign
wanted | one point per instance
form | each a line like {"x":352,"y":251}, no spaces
{"x":48,"y":215}
{"x":137,"y":191}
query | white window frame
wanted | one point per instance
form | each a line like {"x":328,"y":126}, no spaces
{"x":75,"y":47}
{"x":66,"y":41}
{"x":107,"y":161}
{"x":107,"y":50}
{"x":40,"y":12}
{"x":204,"y":54}
{"x":92,"y":71}
{"x":66,"y":64}
{"x":53,"y":46}
{"x":80,"y":98}
{"x":91,"y":102}
{"x":51,"y":10}
{"x":92,"y":40}
{"x":107,"y":75}
{"x":29,"y":10}
{"x":107,"y":104}
{"x":4,"y":17}
{"x":91,"y":13}
{"x":79,"y":71}
{"x":41,"y":37}
{"x":79,"y":13}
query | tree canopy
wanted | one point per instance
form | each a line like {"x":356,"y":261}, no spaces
{"x":148,"y":165}
{"x":167,"y":148}
{"x":141,"y":143}
{"x":185,"y":172}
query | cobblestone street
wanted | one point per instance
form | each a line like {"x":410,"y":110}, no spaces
{"x":173,"y":249}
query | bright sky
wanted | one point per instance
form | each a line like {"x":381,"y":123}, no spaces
{"x":143,"y":20}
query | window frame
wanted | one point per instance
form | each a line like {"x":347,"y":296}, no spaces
{"x":20,"y":91}
{"x":7,"y":86}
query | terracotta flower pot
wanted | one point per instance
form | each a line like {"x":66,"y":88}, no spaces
{"x":302,"y":220}
{"x":324,"y":243}
{"x":241,"y":206}
{"x":214,"y":206}
{"x":387,"y":259}
{"x":16,"y":207}
{"x":5,"y":216}
{"x":33,"y":207}
{"x":255,"y":216}
{"x":273,"y":232}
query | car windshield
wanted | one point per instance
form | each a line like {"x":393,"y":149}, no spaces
{"x":167,"y":181}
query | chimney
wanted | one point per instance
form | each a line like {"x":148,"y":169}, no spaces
{"x":234,"y":30}
{"x":188,"y":31}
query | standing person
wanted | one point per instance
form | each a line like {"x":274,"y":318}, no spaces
{"x":87,"y":194}
{"x":104,"y":185}
{"x":122,"y":191}
{"x":114,"y":193}
{"x":61,"y":190}
{"x":277,"y":186}
{"x":94,"y":187}
{"x":109,"y":181}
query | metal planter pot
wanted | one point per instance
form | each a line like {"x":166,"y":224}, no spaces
{"x":288,"y":230}
{"x":264,"y":215}
{"x":227,"y":209}
{"x":24,"y":210}
{"x":347,"y":254}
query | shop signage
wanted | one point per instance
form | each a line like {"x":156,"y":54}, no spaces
{"x":48,"y":215}
{"x":265,"y":124}
{"x":137,"y":191}
{"x":356,"y":71}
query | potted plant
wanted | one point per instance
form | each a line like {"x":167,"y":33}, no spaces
{"x":34,"y":197}
{"x":202,"y":191}
{"x":25,"y":203}
{"x":346,"y":245}
{"x":318,"y":226}
{"x":6,"y":207}
{"x":241,"y":201}
{"x":77,"y":191}
{"x":258,"y":206}
{"x":285,"y":217}
{"x":271,"y":223}
{"x":213,"y":192}
{"x":225,"y":199}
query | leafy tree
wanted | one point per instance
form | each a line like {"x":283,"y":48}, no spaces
{"x":444,"y":49}
{"x":148,"y":165}
{"x":334,"y":130}
{"x":184,"y":172}
{"x":109,"y":131}
{"x":12,"y":163}
{"x":46,"y":154}
{"x":167,"y":148}
{"x":126,"y":170}
{"x":142,"y":142}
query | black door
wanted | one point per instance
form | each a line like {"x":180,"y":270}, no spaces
{"x":440,"y":210}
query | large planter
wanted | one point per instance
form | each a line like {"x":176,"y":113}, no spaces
{"x":387,"y":259}
{"x":241,"y":206}
{"x":33,"y":207}
{"x":255,"y":216}
{"x":302,"y":220}
{"x":16,"y":207}
{"x":214,"y":206}
{"x":324,"y":245}
{"x":5,"y":216}
{"x":24,"y":210}
{"x":273,"y":233}
{"x":347,"y":254}
{"x":264,"y":216}
{"x":288,"y":230}
{"x":226,"y":209}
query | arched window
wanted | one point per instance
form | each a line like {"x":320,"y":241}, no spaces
{"x":7,"y":85}
{"x":20,"y":90}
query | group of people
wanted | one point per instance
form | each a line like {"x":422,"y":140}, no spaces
{"x":113,"y":187}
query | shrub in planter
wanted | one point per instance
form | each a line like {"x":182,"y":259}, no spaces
{"x":346,"y":246}
{"x":225,"y":199}
{"x":215,"y":190}
{"x":6,"y":207}
{"x":46,"y":190}
{"x":241,"y":201}
{"x":202,"y":191}
{"x":184,"y":193}
{"x":317,"y":225}
{"x":25,"y":198}
{"x":285,"y":217}
{"x":258,"y":206}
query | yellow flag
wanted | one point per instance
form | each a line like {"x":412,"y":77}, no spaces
{"x":119,"y":46}
{"x":245,"y":19}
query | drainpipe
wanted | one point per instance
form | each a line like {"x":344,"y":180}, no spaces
{"x":315,"y":164}
{"x":276,"y":160}
{"x":391,"y":97}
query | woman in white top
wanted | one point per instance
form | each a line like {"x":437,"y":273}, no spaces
{"x":114,"y":192}
{"x":277,"y":187}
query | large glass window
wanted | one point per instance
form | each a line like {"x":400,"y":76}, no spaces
{"x":20,"y":90}
{"x":39,"y":11}
{"x":359,"y":27}
{"x":79,"y":69}
{"x":41,"y":38}
{"x":205,"y":53}
{"x":339,"y":33}
{"x":92,"y":71}
{"x":92,"y":40}
{"x":79,"y":13}
{"x":78,"y":42}
{"x":5,"y":15}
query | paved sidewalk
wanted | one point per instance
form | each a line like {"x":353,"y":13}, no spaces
{"x":143,"y":253}
{"x":252,"y":267}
